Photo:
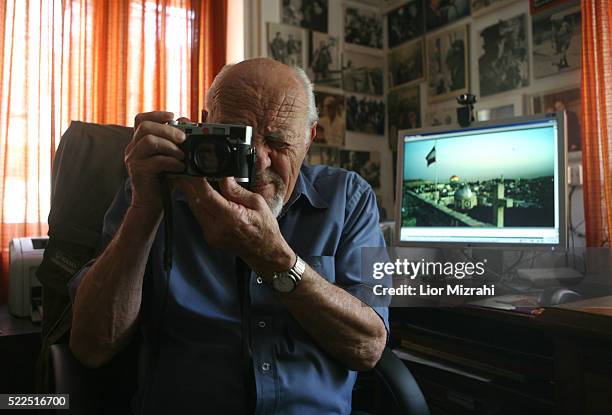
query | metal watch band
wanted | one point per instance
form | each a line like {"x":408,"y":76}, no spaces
{"x":297,"y":270}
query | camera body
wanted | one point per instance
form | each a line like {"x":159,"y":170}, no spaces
{"x":214,"y":151}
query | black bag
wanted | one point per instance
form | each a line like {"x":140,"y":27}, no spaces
{"x":88,"y":170}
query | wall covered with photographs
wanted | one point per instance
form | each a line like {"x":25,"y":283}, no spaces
{"x":382,"y":66}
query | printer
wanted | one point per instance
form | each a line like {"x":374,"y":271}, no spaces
{"x":25,"y":291}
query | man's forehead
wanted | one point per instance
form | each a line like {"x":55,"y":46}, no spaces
{"x":273,"y":105}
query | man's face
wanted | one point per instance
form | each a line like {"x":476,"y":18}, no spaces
{"x":274,"y":103}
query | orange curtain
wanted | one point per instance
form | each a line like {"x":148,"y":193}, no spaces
{"x":597,"y":116}
{"x":91,"y":60}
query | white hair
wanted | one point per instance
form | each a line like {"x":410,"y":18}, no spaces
{"x":313,"y":115}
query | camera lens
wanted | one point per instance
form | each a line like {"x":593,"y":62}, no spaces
{"x":212,"y":156}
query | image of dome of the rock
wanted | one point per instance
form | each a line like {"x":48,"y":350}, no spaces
{"x":499,"y":180}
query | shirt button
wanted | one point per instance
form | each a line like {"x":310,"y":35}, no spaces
{"x":259,"y":280}
{"x":265,"y":366}
{"x":261,"y":324}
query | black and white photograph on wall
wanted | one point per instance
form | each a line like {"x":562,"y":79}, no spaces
{"x":325,"y":66}
{"x":438,"y":116}
{"x":365,"y":114}
{"x":447,"y":57}
{"x":442,"y":12}
{"x":480,"y":7}
{"x":403,"y":111}
{"x":332,"y":115}
{"x":287,"y":44}
{"x":406,"y":64}
{"x":363,"y":73}
{"x":363,"y":27}
{"x":556,"y":41}
{"x":364,"y":163}
{"x":504,"y":63}
{"x":558,"y":100}
{"x":405,"y":23}
{"x":309,"y":14}
{"x":328,"y":156}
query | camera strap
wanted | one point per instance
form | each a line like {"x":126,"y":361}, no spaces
{"x":157,"y":323}
{"x":243,"y":278}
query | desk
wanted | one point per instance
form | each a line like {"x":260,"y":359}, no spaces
{"x":473,"y":360}
{"x":19,"y":347}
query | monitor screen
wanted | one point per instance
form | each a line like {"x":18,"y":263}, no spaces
{"x":494,"y":183}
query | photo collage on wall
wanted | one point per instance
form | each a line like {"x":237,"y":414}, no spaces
{"x":347,"y":70}
{"x":434,"y":45}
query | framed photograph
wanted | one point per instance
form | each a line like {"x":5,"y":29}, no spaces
{"x":406,"y":64}
{"x":287,"y":44}
{"x":568,"y":99}
{"x":536,"y":6}
{"x":447,"y":60}
{"x":325,"y":67}
{"x":365,"y":114}
{"x":405,"y":23}
{"x":364,"y":163}
{"x":440,"y":13}
{"x":332,"y":115}
{"x":480,"y":7}
{"x":363,"y":27}
{"x":557,"y":41}
{"x":363,"y":73}
{"x":497,"y":109}
{"x":503,"y":64}
{"x":309,"y":14}
{"x":323,"y":155}
{"x":403,"y":111}
{"x":441,"y":115}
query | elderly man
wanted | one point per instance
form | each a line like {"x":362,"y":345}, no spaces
{"x":302,"y":225}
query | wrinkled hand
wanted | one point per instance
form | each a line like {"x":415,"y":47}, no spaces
{"x":153,"y":150}
{"x":239,"y":221}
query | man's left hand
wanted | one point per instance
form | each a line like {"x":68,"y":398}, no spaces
{"x":240,"y":221}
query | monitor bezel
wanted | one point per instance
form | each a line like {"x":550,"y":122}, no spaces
{"x":562,"y":183}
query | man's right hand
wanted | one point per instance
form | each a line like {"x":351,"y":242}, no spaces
{"x":153,"y":150}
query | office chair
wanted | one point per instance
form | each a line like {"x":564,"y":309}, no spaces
{"x":102,"y":391}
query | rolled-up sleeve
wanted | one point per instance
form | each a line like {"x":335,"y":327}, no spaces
{"x":361,"y":230}
{"x":112,"y":220}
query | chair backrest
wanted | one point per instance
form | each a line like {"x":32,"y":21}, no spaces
{"x":87,"y":172}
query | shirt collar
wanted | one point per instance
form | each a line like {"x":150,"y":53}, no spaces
{"x":304,"y":186}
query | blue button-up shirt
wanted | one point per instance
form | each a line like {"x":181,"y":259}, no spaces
{"x":330,"y":216}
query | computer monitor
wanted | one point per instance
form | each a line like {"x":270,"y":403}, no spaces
{"x":493,"y":184}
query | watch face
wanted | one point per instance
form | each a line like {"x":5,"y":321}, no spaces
{"x":283,"y":284}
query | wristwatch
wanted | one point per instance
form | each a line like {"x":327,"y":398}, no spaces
{"x":286,"y":281}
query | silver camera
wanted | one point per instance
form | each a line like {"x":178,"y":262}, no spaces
{"x":215,"y":151}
